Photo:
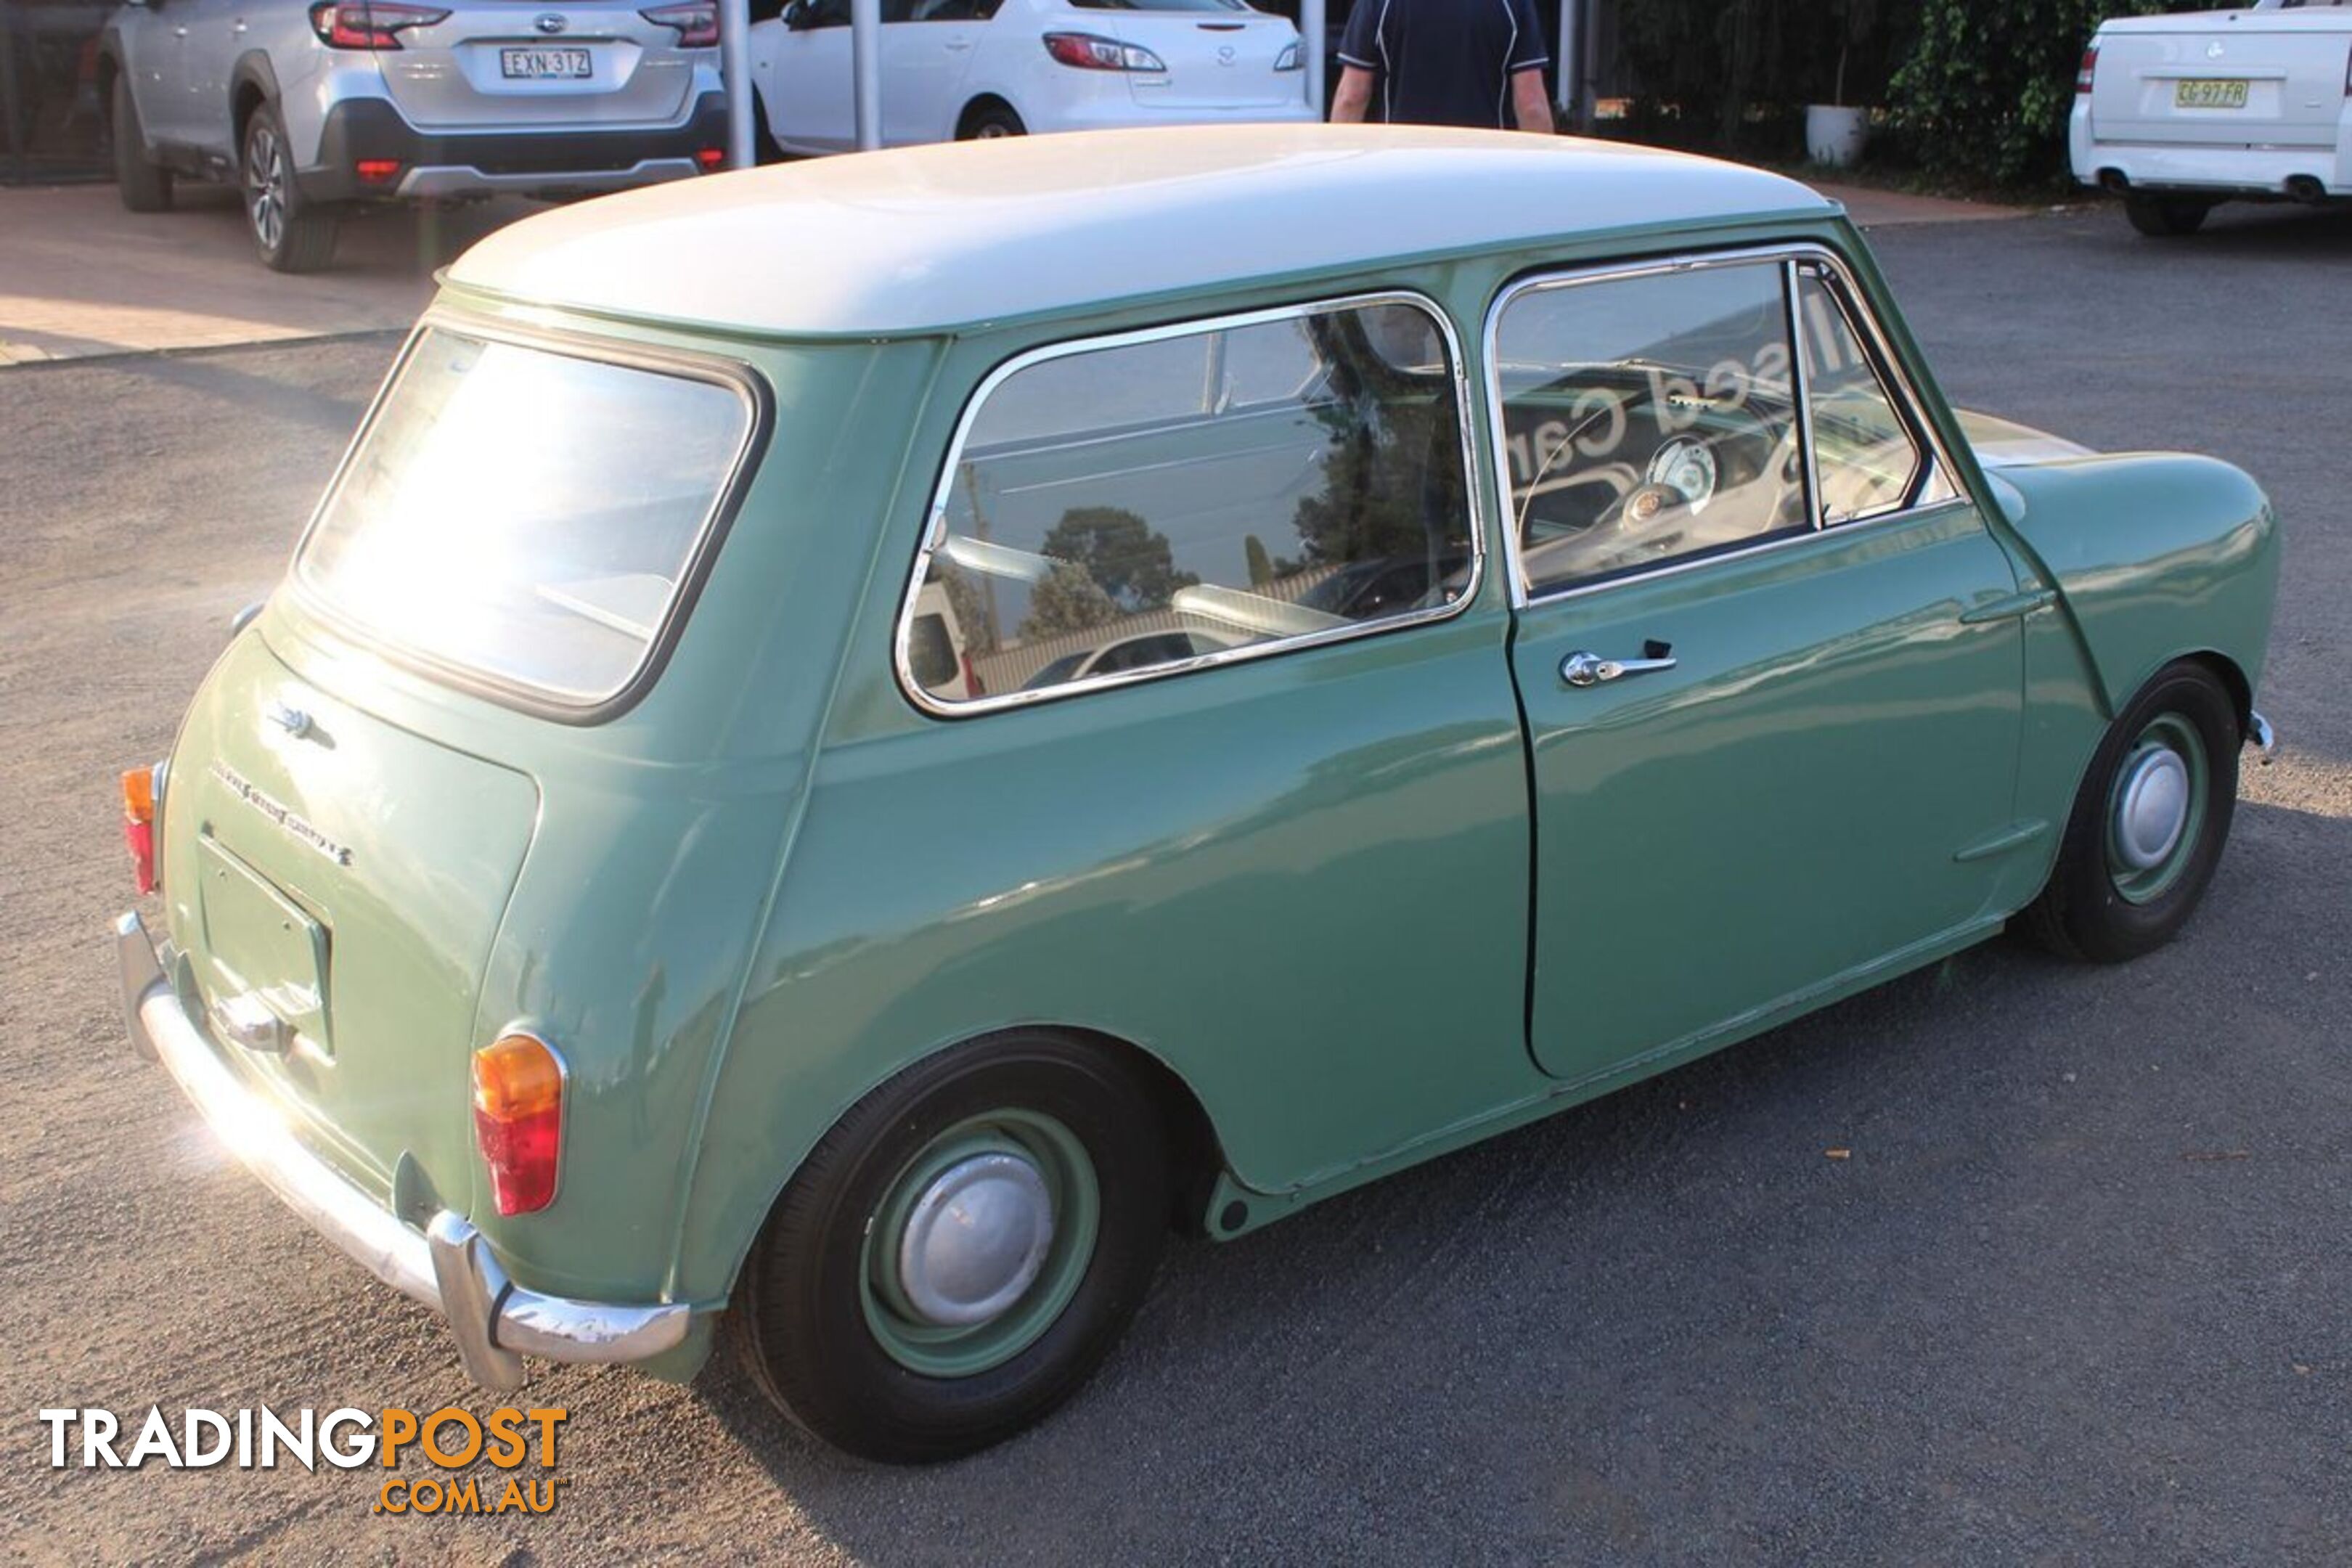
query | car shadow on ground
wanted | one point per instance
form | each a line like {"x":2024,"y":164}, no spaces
{"x":393,"y":241}
{"x":2272,"y":229}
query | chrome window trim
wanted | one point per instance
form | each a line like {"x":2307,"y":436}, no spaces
{"x":1903,"y":399}
{"x":1790,"y":255}
{"x":694,"y":571}
{"x":935,"y":519}
{"x":1800,"y":388}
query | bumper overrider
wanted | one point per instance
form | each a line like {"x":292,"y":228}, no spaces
{"x":447,"y":1266}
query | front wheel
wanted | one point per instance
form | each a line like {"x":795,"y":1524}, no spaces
{"x":2149,"y":825}
{"x":958,"y":1254}
{"x":2166,"y":217}
{"x":291,"y":235}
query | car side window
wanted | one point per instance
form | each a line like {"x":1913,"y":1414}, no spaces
{"x":1162,"y":500}
{"x":1868,"y":457}
{"x":1649,"y":417}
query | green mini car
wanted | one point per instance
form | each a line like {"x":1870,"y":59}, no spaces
{"x":852,"y":744}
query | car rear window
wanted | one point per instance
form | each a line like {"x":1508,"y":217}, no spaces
{"x":527,"y":515}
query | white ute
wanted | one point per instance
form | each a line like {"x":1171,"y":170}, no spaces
{"x":2177,"y":113}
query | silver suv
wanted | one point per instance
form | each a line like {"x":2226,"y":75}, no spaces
{"x":316,"y":107}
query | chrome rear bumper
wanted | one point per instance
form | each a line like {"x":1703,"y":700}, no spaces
{"x":448,"y":1266}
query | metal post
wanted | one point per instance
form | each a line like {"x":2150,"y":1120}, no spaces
{"x":1587,"y":77}
{"x":735,"y":70}
{"x":1310,"y":34}
{"x":1567,"y":58}
{"x":865,"y":63}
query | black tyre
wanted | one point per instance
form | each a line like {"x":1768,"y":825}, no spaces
{"x":960,"y":1252}
{"x":2166,"y":217}
{"x":764,"y":150}
{"x":291,"y":235}
{"x":2149,"y":826}
{"x":988,"y":122}
{"x":144,"y":188}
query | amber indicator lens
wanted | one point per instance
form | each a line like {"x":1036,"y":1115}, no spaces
{"x":519,"y":1119}
{"x":139,"y":825}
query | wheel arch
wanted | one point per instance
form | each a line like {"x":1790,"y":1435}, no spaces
{"x":252,"y":82}
{"x":979,"y":104}
{"x":740,"y":1205}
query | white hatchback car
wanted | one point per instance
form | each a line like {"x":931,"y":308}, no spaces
{"x":956,"y":69}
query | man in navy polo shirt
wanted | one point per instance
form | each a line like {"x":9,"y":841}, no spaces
{"x":1445,"y":62}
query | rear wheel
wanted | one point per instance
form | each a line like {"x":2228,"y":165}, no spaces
{"x":2166,"y":217}
{"x":960,"y":1252}
{"x":2149,"y":825}
{"x":988,"y":121}
{"x":144,"y":188}
{"x":291,"y":235}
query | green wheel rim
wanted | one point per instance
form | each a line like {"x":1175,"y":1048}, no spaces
{"x":942,"y":1350}
{"x":2141,"y":884}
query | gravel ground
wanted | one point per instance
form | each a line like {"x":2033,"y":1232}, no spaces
{"x":2077,"y":1296}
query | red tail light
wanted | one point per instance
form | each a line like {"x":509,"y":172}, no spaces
{"x":377,"y":171}
{"x":139,"y":825}
{"x":710,"y":159}
{"x":369,"y":23}
{"x":519,"y":1119}
{"x":2090,"y":65}
{"x":697,"y":23}
{"x":1089,"y":53}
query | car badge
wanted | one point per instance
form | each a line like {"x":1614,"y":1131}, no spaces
{"x":1225,"y":55}
{"x":552,"y":23}
{"x":2213,"y":51}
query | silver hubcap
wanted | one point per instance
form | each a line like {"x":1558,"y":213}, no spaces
{"x":990,"y":132}
{"x":265,"y":185}
{"x":975,"y":1239}
{"x":2151,"y":808}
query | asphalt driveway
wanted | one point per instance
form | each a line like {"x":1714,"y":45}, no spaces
{"x":2076,"y":1295}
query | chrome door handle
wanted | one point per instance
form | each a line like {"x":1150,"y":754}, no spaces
{"x":1582,"y":668}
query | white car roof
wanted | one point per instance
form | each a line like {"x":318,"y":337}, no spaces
{"x":925,"y":239}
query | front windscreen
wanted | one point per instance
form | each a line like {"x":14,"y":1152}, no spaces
{"x":526,"y":515}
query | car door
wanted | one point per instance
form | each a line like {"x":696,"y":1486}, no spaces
{"x":926,"y":45}
{"x":1767,"y":652}
{"x":176,"y":91}
{"x":217,"y":33}
{"x":805,"y":78}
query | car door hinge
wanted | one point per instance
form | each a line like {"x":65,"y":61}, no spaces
{"x":2011,"y":607}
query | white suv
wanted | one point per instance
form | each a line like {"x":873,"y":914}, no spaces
{"x":314,"y":108}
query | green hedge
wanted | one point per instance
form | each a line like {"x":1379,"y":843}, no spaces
{"x":1986,"y":90}
{"x":1978,"y":90}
